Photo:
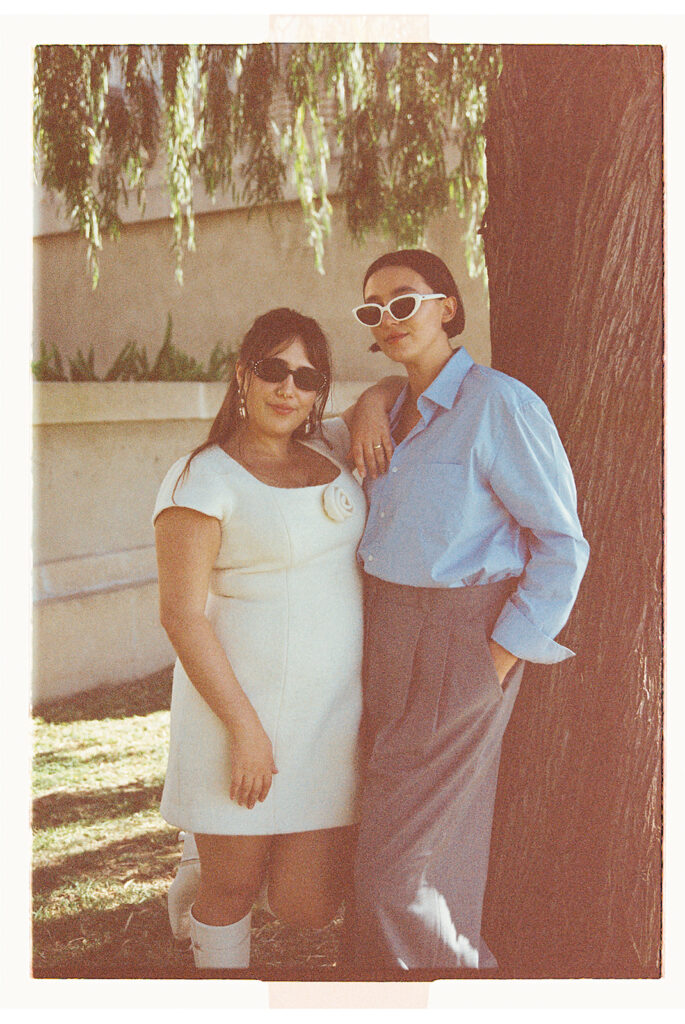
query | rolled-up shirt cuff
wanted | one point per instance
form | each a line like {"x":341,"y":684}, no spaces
{"x":521,"y":637}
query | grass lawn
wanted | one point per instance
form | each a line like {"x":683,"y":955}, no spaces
{"x":103,"y":858}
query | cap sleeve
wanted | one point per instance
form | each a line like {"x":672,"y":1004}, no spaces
{"x":200,"y":488}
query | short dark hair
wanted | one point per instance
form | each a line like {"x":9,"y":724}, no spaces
{"x":434,"y":272}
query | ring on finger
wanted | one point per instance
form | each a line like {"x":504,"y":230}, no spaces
{"x":376,"y":447}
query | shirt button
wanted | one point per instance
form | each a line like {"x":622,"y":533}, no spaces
{"x":370,"y":558}
{"x":393,"y":469}
{"x":382,"y":515}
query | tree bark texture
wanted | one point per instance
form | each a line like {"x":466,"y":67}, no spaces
{"x":573,"y":241}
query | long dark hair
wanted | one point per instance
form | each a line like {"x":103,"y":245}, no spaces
{"x":435,"y":273}
{"x":270,"y":332}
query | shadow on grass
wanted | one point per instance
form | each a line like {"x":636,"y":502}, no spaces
{"x":71,"y":760}
{"x":133,"y":941}
{"x":89,"y":806}
{"x":142,"y":697}
{"x":143,"y":858}
{"x":128,"y":941}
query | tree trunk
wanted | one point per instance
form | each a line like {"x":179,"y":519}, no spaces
{"x":574,"y":254}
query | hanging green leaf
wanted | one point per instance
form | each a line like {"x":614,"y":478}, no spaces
{"x":401,"y":124}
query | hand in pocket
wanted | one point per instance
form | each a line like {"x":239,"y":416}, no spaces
{"x":502,"y":659}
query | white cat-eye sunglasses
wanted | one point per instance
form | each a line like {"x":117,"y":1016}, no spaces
{"x":400,"y":308}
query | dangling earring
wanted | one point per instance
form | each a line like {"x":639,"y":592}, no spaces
{"x":242,"y":409}
{"x":309,"y":424}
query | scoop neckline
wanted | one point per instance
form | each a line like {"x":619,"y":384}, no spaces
{"x":275,"y":487}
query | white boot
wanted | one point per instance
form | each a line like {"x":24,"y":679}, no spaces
{"x":219,"y":946}
{"x":184,"y":889}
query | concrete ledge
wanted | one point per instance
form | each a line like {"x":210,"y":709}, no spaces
{"x":118,"y":401}
{"x":88,"y":574}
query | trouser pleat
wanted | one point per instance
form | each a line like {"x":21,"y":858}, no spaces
{"x":434,"y":718}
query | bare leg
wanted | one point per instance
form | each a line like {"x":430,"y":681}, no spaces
{"x":232,"y":868}
{"x":309,"y":874}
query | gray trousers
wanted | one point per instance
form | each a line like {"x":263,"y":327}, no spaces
{"x":434,"y":717}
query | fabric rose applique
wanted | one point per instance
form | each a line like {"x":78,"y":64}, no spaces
{"x":336,"y":503}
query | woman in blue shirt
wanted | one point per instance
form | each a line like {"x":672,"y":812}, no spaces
{"x":473,"y":555}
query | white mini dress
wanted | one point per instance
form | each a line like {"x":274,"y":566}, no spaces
{"x":285,"y":602}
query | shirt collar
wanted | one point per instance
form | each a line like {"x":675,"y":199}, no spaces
{"x":443,"y":390}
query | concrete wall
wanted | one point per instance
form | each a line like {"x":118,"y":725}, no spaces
{"x":245,"y":263}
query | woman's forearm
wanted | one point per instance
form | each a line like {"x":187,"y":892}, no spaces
{"x":208,"y":668}
{"x":368,"y":422}
{"x":187,"y":546}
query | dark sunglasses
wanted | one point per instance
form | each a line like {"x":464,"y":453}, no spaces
{"x":274,"y":371}
{"x":401,"y":308}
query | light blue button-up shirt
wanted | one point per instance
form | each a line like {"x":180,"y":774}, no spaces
{"x":479,"y":491}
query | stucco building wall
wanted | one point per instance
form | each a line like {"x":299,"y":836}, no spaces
{"x":244,"y":263}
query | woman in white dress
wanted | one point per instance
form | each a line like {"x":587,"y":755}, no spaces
{"x":261,"y":597}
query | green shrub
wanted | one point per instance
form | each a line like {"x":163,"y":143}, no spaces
{"x":132,"y":364}
{"x":49,"y":365}
{"x":83,"y":369}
